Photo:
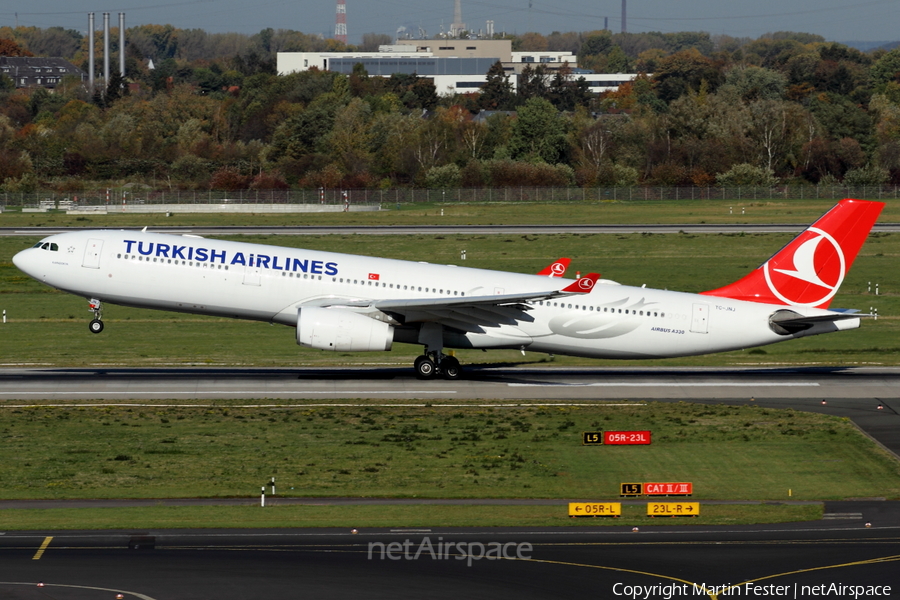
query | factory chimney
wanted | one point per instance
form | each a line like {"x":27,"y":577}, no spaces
{"x":340,"y":22}
{"x":458,"y":26}
{"x":91,"y":51}
{"x":106,"y":49}
{"x":122,"y":45}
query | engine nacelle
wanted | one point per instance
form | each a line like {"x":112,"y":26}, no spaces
{"x":342,"y":331}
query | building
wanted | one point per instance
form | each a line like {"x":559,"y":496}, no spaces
{"x":455,"y":65}
{"x":28,"y":71}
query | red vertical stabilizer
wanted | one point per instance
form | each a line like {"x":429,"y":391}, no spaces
{"x":809,"y":270}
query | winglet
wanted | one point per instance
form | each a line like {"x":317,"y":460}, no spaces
{"x":583,"y":285}
{"x":557,"y":269}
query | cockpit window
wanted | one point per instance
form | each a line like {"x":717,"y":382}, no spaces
{"x":47,"y":246}
{"x":54,"y":248}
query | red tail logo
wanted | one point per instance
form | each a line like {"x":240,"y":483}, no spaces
{"x":810,"y":269}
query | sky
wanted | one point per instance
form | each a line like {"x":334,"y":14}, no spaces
{"x":836,"y":20}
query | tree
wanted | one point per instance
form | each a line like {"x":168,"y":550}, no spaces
{"x":348,"y":142}
{"x":683,"y":72}
{"x":595,"y":45}
{"x":11,"y":48}
{"x":746,"y":174}
{"x":496,"y":93}
{"x":756,"y":83}
{"x":539,"y":133}
{"x":533,"y":42}
{"x":371,"y":41}
{"x":885,"y":70}
{"x":532,"y":82}
{"x":564,"y":93}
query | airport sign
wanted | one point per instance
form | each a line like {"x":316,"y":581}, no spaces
{"x":631,"y":489}
{"x":626,"y":437}
{"x":598,"y":438}
{"x":673,"y":509}
{"x":669,"y":489}
{"x":591,"y":438}
{"x":595,"y":509}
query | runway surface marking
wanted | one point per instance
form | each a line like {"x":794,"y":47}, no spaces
{"x":40,"y":551}
{"x":286,"y":392}
{"x":79,"y":587}
{"x":663,"y":384}
{"x":696,"y":586}
{"x":327,"y":404}
{"x":870,"y":561}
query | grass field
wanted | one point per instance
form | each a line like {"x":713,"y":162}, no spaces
{"x":164,"y":517}
{"x":38,"y":317}
{"x":727,"y":452}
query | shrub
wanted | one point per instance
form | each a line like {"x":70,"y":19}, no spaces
{"x":447,"y":176}
{"x":228,"y":179}
{"x":746,"y":174}
{"x":268,"y":181}
{"x":868,"y":175}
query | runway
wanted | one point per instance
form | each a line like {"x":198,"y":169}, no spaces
{"x":776,"y":561}
{"x":453,"y":229}
{"x":781,"y":561}
{"x":869,"y":396}
{"x":512,"y":383}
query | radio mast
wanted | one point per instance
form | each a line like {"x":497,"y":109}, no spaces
{"x":340,"y":22}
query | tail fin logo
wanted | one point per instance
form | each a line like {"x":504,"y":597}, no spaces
{"x":557,"y":269}
{"x":811,"y":274}
{"x":586,"y":284}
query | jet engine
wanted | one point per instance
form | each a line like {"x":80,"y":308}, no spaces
{"x":342,"y":331}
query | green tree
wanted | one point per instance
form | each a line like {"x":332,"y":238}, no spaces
{"x":497,"y":92}
{"x":746,"y":174}
{"x":539,"y":133}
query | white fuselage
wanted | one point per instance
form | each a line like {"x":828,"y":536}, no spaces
{"x":270,"y":283}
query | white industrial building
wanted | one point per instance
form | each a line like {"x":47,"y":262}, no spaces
{"x":455,"y":66}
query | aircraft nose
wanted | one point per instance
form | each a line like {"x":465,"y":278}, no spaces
{"x":24,"y":260}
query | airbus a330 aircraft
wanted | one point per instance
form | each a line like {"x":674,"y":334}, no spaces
{"x":344,"y":303}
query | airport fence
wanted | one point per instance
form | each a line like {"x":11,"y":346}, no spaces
{"x":386,"y":198}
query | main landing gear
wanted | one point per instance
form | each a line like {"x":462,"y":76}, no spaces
{"x":433,"y":364}
{"x":96,"y":325}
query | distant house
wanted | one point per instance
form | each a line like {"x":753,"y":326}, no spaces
{"x":27,"y":71}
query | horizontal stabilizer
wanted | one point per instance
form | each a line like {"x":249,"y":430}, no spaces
{"x":785,"y":322}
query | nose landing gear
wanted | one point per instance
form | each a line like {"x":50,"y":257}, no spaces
{"x":95,"y":306}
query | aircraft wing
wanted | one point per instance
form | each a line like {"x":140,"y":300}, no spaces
{"x":471,"y":313}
